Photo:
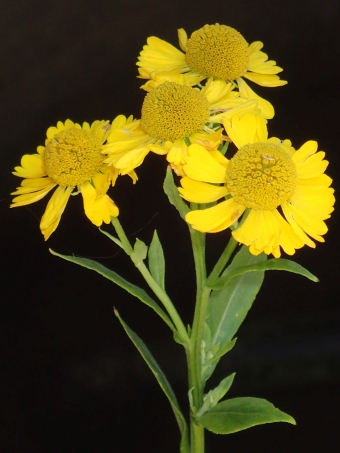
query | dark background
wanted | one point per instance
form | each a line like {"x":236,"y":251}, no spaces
{"x":70,"y":379}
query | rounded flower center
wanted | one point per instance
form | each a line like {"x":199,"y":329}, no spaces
{"x":217,"y":51}
{"x":172,"y":111}
{"x":261,"y":176}
{"x":73,"y":156}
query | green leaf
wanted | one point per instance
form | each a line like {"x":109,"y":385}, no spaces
{"x":171,"y":191}
{"x":238,"y":414}
{"x":162,"y":381}
{"x":228,"y":307}
{"x":156,"y":260}
{"x":140,"y":250}
{"x":113,"y":238}
{"x":120,"y":281}
{"x":275,"y":264}
{"x":214,"y":396}
{"x":213,"y":357}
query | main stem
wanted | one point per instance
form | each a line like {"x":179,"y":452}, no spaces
{"x":196,"y":386}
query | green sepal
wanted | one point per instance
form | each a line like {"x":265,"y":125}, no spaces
{"x":275,"y":264}
{"x":171,"y":191}
{"x":214,"y":396}
{"x":237,"y":414}
{"x":162,"y":381}
{"x":120,"y":281}
{"x":139,"y":253}
{"x":156,"y":260}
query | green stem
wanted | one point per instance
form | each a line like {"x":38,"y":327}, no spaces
{"x":158,"y":291}
{"x":197,"y":438}
{"x":223,"y":260}
{"x":194,"y":353}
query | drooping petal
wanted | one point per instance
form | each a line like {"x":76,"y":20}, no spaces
{"x":267,"y":231}
{"x":32,"y":166}
{"x":177,"y":153}
{"x":216,"y":218}
{"x":219,"y":93}
{"x":98,"y":208}
{"x":309,"y":163}
{"x":202,"y":166}
{"x":32,"y":190}
{"x":265,"y":80}
{"x":309,"y":224}
{"x":182,"y":39}
{"x":267,"y":110}
{"x":156,"y":78}
{"x":258,"y":60}
{"x":54,"y":209}
{"x":129,"y":161}
{"x":241,"y":130}
{"x":158,"y":55}
{"x":201,"y":192}
{"x":314,"y":197}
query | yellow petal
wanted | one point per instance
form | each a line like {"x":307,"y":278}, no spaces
{"x":177,"y":153}
{"x":32,"y":166}
{"x":202,"y":166}
{"x":242,"y":130}
{"x":254,"y":47}
{"x":313,"y":201}
{"x":131,"y":160}
{"x":30,"y":195}
{"x":201,"y":192}
{"x":54,"y":210}
{"x":267,"y":110}
{"x":98,"y":208}
{"x":267,"y":231}
{"x":265,"y":80}
{"x":310,"y":224}
{"x":219,"y":93}
{"x":158,"y":55}
{"x":306,"y":150}
{"x":133,"y":176}
{"x":182,"y":39}
{"x":102,"y":180}
{"x":217,"y":218}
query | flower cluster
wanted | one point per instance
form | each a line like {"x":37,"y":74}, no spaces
{"x":197,"y":101}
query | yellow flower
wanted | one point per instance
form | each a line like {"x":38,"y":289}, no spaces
{"x":216,"y":51}
{"x":173,"y":116}
{"x":284,"y":193}
{"x":72,"y":157}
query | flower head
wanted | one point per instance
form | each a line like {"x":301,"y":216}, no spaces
{"x":285,"y":194}
{"x":213,"y":51}
{"x":71,"y":158}
{"x":173,"y":116}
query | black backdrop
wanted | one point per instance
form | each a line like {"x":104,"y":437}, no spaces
{"x":70,"y":379}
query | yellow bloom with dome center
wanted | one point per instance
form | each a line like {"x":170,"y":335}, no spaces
{"x":71,"y":158}
{"x":283,"y":192}
{"x":173,"y":116}
{"x":214,"y":51}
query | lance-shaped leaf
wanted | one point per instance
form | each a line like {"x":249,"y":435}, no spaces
{"x":120,"y":281}
{"x":162,"y":381}
{"x":214,"y":396}
{"x":238,"y":414}
{"x":276,"y":264}
{"x":228,"y":306}
{"x":156,"y":260}
{"x":171,"y":191}
{"x":112,"y":238}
